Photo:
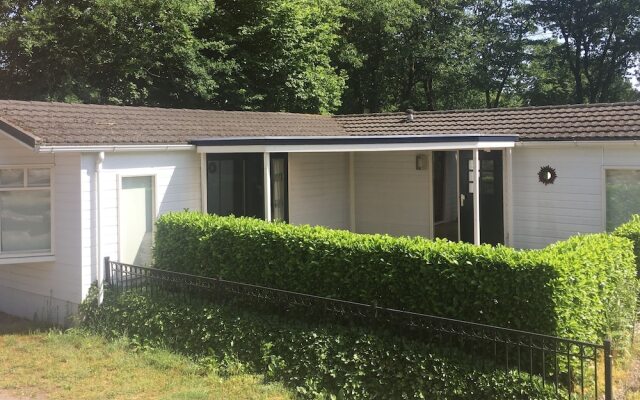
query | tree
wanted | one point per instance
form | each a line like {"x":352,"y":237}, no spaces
{"x":600,"y":39}
{"x":245,"y":54}
{"x":498,"y":43}
{"x":281,"y":49}
{"x":108,"y":51}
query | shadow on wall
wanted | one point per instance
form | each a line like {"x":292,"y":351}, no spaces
{"x":44,"y":310}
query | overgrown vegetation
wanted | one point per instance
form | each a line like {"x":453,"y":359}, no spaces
{"x":583,"y":288}
{"x":319,"y":55}
{"x":325,"y":361}
{"x":631,"y":231}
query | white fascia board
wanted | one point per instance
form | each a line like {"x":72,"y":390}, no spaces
{"x":339,"y":148}
{"x":113,"y":149}
{"x":576,"y":143}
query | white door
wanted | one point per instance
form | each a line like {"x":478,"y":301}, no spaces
{"x":136,"y":220}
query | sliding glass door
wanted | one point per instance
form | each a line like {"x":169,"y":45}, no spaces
{"x":235,"y":185}
{"x":445,"y":195}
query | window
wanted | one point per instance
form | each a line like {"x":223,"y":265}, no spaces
{"x":25,"y":211}
{"x":622,"y":196}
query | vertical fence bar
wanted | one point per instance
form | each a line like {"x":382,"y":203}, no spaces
{"x":608,"y":370}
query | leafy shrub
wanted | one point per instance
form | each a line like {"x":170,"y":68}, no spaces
{"x":631,"y":231}
{"x":318,"y":362}
{"x":580,"y":289}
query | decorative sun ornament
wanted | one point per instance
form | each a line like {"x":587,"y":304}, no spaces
{"x":547,"y":175}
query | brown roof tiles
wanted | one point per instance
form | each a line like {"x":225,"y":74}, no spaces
{"x":58,"y":124}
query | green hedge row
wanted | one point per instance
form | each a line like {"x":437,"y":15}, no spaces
{"x":631,"y":231}
{"x":326,"y":362}
{"x":583,"y":288}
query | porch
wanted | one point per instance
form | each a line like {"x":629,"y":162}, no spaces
{"x":405,"y":185}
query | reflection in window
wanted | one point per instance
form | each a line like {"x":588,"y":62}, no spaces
{"x":25,"y":211}
{"x":445,"y":195}
{"x":623,"y":195}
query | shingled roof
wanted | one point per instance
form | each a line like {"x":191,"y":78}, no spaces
{"x":58,"y":124}
{"x":618,"y":121}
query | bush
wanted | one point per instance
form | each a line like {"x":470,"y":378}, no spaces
{"x":577,"y":289}
{"x":316,"y":362}
{"x":631,"y":231}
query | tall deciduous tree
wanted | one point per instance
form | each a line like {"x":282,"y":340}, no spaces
{"x":281,"y":49}
{"x":499,"y":30}
{"x":601,"y":41}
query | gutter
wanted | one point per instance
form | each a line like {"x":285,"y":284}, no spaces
{"x":112,"y":148}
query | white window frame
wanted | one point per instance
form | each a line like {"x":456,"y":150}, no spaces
{"x":154,"y":205}
{"x":29,"y":257}
{"x":605,"y":168}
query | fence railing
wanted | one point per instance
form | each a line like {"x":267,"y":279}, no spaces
{"x":573,"y":368}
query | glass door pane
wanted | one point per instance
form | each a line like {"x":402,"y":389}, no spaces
{"x":445,"y":195}
{"x":235,"y":184}
{"x":279,"y":188}
{"x":136,"y":220}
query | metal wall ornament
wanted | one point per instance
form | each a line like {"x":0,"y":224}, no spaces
{"x":547,"y":175}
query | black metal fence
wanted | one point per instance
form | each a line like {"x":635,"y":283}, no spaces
{"x":571,"y":368}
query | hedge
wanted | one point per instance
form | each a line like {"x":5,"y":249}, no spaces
{"x":317,"y":362}
{"x":582,"y":288}
{"x":631,"y":231}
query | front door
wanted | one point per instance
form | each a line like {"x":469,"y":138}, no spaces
{"x":491,"y":200}
{"x":235,"y":184}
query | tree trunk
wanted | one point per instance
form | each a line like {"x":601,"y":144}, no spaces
{"x":431,"y":97}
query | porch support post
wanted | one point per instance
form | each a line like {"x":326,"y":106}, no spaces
{"x":476,"y":196}
{"x":352,"y":192}
{"x":267,"y":186}
{"x":509,"y":191}
{"x":203,"y":182}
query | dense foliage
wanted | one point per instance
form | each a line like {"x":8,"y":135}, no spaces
{"x":319,"y":55}
{"x":631,"y":231}
{"x":318,"y":362}
{"x":582,"y":288}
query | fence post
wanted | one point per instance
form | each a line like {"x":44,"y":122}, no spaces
{"x":608,"y":370}
{"x":107,"y":270}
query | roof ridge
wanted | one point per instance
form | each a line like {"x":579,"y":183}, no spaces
{"x":494,"y":110}
{"x":154,"y":108}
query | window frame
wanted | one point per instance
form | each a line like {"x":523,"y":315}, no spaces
{"x":605,"y":168}
{"x":36,"y":256}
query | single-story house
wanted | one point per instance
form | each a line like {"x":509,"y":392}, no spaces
{"x":80,"y":182}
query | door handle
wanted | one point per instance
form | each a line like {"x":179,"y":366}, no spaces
{"x":462,"y":199}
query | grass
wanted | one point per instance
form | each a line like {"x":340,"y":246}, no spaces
{"x":36,"y":362}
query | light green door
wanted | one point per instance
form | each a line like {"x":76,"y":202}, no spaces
{"x":136,"y":220}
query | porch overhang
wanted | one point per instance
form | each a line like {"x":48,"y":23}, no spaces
{"x":313,"y":144}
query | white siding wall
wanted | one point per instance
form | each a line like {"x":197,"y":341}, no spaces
{"x":47,"y":291}
{"x":575,"y":202}
{"x":391,"y":195}
{"x":319,"y":189}
{"x":177,"y":187}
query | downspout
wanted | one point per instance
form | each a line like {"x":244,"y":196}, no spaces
{"x":99,"y":266}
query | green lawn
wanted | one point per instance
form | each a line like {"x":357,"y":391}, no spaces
{"x":44,"y":363}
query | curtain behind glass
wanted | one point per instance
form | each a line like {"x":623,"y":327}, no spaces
{"x":278,"y":194}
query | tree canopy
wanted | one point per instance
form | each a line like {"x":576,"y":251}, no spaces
{"x":319,"y":56}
